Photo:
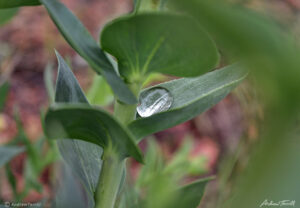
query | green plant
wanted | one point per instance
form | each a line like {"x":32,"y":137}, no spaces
{"x":178,"y":46}
{"x":95,"y":143}
{"x":157,"y":182}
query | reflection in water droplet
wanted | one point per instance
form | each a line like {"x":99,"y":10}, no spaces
{"x":153,"y":101}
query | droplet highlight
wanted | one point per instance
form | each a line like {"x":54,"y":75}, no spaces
{"x":154,"y":100}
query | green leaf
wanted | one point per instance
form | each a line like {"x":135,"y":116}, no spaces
{"x":159,"y":42}
{"x":69,"y":192}
{"x":82,"y":42}
{"x":191,"y":194}
{"x":83,"y":158}
{"x":191,"y":96}
{"x":80,"y":121}
{"x":18,"y":3}
{"x":3,"y":94}
{"x":68,"y":89}
{"x":7,"y":14}
{"x":7,"y":153}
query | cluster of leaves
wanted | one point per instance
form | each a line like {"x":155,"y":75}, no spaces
{"x":157,"y":182}
{"x":177,"y":45}
{"x":176,"y":42}
{"x":70,"y":121}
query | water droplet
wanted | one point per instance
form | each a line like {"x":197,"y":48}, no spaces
{"x":154,"y":100}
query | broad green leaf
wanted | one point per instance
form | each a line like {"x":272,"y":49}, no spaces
{"x":83,"y":122}
{"x":7,"y":14}
{"x":82,"y":42}
{"x":191,"y":194}
{"x":83,"y":158}
{"x":191,"y":96}
{"x":3,"y":94}
{"x":9,"y":152}
{"x":159,"y":42}
{"x":18,"y":3}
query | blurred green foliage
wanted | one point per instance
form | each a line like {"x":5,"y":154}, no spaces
{"x":4,"y":88}
{"x":105,"y":97}
{"x":157,"y":182}
{"x":18,"y":3}
{"x":7,"y":14}
{"x":272,"y":55}
{"x":33,"y":165}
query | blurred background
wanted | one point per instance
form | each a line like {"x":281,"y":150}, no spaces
{"x":217,"y":142}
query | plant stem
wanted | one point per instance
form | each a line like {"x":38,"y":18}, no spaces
{"x":113,"y":166}
{"x":110,"y":178}
{"x":126,"y":113}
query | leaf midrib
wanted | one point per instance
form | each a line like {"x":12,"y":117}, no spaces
{"x":201,"y":97}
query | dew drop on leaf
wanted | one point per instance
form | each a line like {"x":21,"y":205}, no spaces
{"x":154,"y":100}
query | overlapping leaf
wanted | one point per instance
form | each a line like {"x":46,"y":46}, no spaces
{"x":90,"y":124}
{"x":159,"y":42}
{"x":83,"y":122}
{"x":83,"y":158}
{"x":80,"y":39}
{"x":69,"y":192}
{"x":18,"y":3}
{"x":191,"y":96}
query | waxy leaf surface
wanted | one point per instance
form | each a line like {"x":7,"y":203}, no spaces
{"x":191,"y":96}
{"x":159,"y":42}
{"x":81,"y":121}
